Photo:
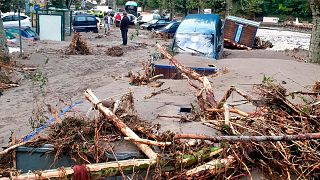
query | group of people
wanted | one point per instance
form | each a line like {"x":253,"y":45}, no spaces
{"x":123,"y":23}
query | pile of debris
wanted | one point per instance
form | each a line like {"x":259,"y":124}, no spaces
{"x":279,"y":136}
{"x":258,"y":44}
{"x":261,"y":44}
{"x":115,"y":51}
{"x":6,"y":71}
{"x":78,"y":46}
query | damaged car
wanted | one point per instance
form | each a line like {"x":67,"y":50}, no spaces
{"x":200,"y":34}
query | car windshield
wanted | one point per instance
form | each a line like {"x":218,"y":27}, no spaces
{"x":153,"y":21}
{"x":80,"y":18}
{"x":30,"y":32}
{"x":169,"y":26}
{"x":13,"y":31}
{"x":9,"y":35}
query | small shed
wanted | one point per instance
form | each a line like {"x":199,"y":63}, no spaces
{"x":240,"y":30}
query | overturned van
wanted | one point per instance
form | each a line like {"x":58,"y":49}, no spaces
{"x":200,"y":34}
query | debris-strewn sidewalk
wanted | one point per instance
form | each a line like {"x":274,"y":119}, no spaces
{"x":279,"y":135}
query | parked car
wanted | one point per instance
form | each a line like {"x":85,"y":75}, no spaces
{"x":155,"y":24}
{"x":200,"y":34}
{"x":11,"y":39}
{"x":10,"y":19}
{"x":85,"y":23}
{"x":169,"y":30}
{"x":146,"y":18}
{"x":26,"y":32}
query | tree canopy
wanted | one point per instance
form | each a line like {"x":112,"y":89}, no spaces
{"x":247,"y":8}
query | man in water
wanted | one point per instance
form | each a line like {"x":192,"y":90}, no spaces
{"x":124,"y":25}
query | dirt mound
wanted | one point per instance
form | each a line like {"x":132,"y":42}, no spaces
{"x":115,"y":51}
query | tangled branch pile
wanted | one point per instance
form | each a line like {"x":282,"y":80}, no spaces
{"x":275,"y":116}
{"x":115,"y":51}
{"x":261,"y":44}
{"x":78,"y":45}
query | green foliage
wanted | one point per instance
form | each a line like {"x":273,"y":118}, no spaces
{"x":295,"y":8}
{"x":267,"y":80}
{"x":8,"y":5}
{"x":40,"y":79}
{"x":247,"y":8}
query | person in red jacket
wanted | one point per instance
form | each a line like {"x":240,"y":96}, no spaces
{"x":117,"y":19}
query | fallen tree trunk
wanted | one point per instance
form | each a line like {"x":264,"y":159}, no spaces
{"x":147,"y":141}
{"x":118,"y":123}
{"x":124,"y":167}
{"x":250,"y":138}
{"x":192,"y":75}
{"x":211,"y":168}
{"x":96,"y":170}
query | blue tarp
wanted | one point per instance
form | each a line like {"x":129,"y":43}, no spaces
{"x":201,"y":34}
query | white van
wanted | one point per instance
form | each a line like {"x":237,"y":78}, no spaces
{"x":147,"y":17}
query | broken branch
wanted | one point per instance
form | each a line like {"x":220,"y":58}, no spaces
{"x":12,"y":147}
{"x":98,"y":170}
{"x":118,"y":123}
{"x":232,"y":110}
{"x":192,"y":75}
{"x":307,"y":136}
{"x":147,"y":141}
{"x":213,"y":167}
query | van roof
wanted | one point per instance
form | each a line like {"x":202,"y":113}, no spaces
{"x":83,"y":14}
{"x":199,"y":23}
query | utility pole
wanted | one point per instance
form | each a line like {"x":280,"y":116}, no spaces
{"x":20,"y":41}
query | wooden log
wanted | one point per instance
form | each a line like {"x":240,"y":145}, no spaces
{"x":147,"y":141}
{"x":211,"y":168}
{"x":192,"y":75}
{"x":110,"y":116}
{"x":232,"y":110}
{"x":12,"y":147}
{"x":298,"y":137}
{"x":7,"y":86}
{"x":96,"y":170}
{"x":145,"y":132}
{"x":126,"y":166}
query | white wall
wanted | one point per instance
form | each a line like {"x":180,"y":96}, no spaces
{"x":50,"y":27}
